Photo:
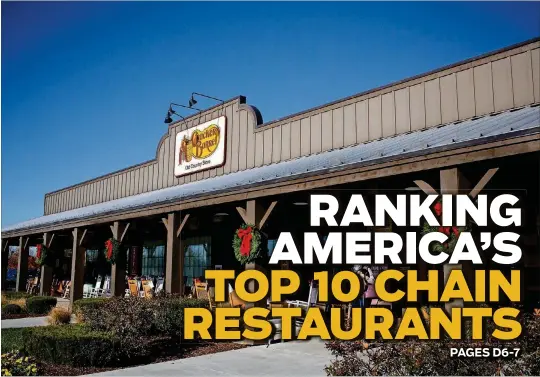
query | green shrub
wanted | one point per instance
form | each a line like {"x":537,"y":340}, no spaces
{"x":133,"y":317}
{"x":420,"y":358}
{"x":169,"y":314}
{"x":11,"y":309}
{"x":16,"y":364}
{"x":40,"y":304}
{"x":82,"y":306}
{"x":11,"y":339}
{"x":7,"y":296}
{"x":75,"y":345}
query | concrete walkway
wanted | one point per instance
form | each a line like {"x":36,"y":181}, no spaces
{"x":24,"y":322}
{"x":298,"y":358}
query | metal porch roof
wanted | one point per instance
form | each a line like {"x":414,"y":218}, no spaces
{"x":475,"y":131}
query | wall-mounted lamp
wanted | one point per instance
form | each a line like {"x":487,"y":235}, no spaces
{"x":168,"y":118}
{"x":193,"y":101}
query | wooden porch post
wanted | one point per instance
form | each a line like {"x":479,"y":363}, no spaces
{"x":174,"y":267}
{"x":255,"y":214}
{"x":78,"y":257}
{"x":46,"y":271}
{"x":452,"y":182}
{"x":118,"y":270}
{"x":5,"y":259}
{"x":22,"y":264}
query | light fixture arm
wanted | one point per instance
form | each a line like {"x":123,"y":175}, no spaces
{"x":204,"y":95}
{"x":185,"y":107}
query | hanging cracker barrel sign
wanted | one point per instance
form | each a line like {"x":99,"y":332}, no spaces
{"x":201,"y":147}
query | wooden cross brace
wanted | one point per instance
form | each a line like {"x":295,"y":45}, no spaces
{"x":48,"y":239}
{"x":82,"y":235}
{"x":425,"y":187}
{"x":183,"y":222}
{"x":119,"y":230}
{"x":252,"y":213}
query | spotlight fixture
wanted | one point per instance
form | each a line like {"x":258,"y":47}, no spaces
{"x":193,"y":101}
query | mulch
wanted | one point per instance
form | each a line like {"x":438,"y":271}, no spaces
{"x":184,"y":352}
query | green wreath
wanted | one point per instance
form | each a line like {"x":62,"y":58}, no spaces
{"x":254,"y":239}
{"x":42,"y":255}
{"x":112,"y":250}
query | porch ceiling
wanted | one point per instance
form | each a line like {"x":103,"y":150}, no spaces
{"x":476,"y":131}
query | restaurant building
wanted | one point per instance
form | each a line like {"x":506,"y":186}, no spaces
{"x":472,"y":126}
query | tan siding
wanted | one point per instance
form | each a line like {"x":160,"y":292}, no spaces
{"x":375,"y":121}
{"x":388,"y":114}
{"x":259,"y":149}
{"x":109,"y":188}
{"x":136,"y":181}
{"x":90,"y":196}
{"x":213,"y":172}
{"x":326,"y":127}
{"x":349,"y":125}
{"x":161,"y":162}
{"x":242,"y":157}
{"x":155,"y":176}
{"x":251,"y":140}
{"x":276,"y":144}
{"x":403,"y":119}
{"x":449,"y":106}
{"x":535,"y":62}
{"x":124,"y":185}
{"x":305,"y":137}
{"x":315,"y":133}
{"x":229,"y":111}
{"x":67,"y":195}
{"x":362,"y":121}
{"x":267,"y":149}
{"x":337,"y":128}
{"x":285,"y":142}
{"x":418,"y":107}
{"x":483,"y":89}
{"x":503,"y":97}
{"x":433,"y":103}
{"x":146,"y":173}
{"x":465,"y":87}
{"x":205,"y":174}
{"x":295,"y":139}
{"x":235,"y":134}
{"x":176,"y":180}
{"x":120,"y":188}
{"x":150,"y":179}
{"x":522,"y":79}
{"x":166,"y":163}
{"x":132,"y":182}
{"x":170,"y":172}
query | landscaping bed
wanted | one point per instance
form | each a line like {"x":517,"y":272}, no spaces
{"x":113,"y":333}
{"x":22,"y":305}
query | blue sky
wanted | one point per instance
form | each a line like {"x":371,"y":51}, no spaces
{"x":85,"y":86}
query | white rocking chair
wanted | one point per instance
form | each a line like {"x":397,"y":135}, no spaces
{"x":94,"y":290}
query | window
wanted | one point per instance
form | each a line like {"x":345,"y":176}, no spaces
{"x":197,"y":258}
{"x":271,"y":246}
{"x":91,"y":255}
{"x":153,"y":260}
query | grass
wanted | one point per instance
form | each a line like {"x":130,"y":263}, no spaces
{"x":11,"y":339}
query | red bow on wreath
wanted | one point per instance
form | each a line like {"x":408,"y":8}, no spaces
{"x":245,"y":236}
{"x":38,"y":254}
{"x":109,"y":246}
{"x":444,"y":229}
